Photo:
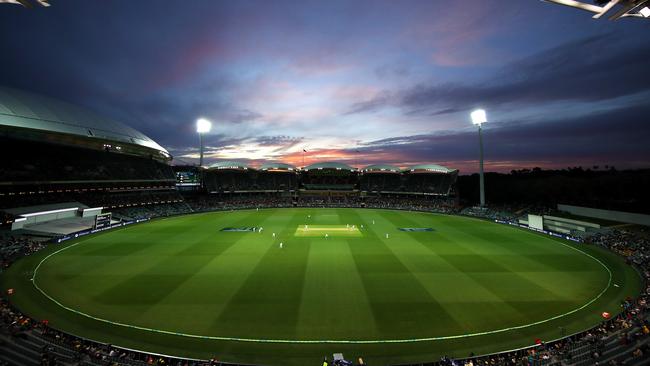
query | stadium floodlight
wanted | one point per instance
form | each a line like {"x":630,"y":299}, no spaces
{"x":645,"y":12}
{"x":478,"y":118}
{"x":203,"y":126}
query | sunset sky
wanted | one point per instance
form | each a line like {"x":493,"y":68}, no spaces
{"x":355,"y":81}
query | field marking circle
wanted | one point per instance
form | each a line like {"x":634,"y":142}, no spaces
{"x":320,"y":341}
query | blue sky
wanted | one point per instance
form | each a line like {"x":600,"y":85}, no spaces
{"x":393,"y":80}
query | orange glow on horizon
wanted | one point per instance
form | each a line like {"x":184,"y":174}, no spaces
{"x":401,"y":160}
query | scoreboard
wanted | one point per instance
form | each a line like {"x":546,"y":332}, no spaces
{"x":187,"y":178}
{"x":103,"y":221}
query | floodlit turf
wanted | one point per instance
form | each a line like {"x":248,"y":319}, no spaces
{"x":182,"y":286}
{"x":327,"y":231}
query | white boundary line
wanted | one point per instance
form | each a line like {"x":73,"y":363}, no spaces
{"x":322,"y":341}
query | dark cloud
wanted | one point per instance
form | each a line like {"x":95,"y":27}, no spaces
{"x":120,"y":62}
{"x":244,"y":115}
{"x":167,"y":118}
{"x":284,"y":141}
{"x":377,"y":102}
{"x":590,"y":69}
{"x":428,"y":112}
{"x":618,"y":137}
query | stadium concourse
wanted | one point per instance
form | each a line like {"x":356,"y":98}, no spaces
{"x":69,"y":157}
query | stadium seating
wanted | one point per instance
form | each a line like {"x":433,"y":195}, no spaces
{"x":37,"y":162}
{"x":236,"y":177}
{"x":381,"y":182}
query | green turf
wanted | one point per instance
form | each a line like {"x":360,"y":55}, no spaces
{"x":452,"y":291}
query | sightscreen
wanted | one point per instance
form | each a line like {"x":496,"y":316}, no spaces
{"x":536,"y":222}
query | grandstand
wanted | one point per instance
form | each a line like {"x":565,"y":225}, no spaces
{"x":429,"y":179}
{"x":231,"y":177}
{"x":276,"y":176}
{"x":381,"y":178}
{"x":63,"y":153}
{"x":329,"y":176}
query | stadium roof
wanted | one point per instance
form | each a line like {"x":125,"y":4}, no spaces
{"x":329,"y":165}
{"x":233,"y":165}
{"x":429,"y":168}
{"x":277,"y":166}
{"x":23,"y":110}
{"x":381,"y":168}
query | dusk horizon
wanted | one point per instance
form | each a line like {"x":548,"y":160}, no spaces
{"x":364,"y":82}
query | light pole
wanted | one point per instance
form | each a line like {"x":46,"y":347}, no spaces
{"x":203,"y":126}
{"x":478,"y":118}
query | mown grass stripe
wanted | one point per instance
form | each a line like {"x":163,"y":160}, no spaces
{"x":342,"y":341}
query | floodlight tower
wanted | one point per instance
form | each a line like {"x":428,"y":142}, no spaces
{"x":478,"y":118}
{"x":203,"y":126}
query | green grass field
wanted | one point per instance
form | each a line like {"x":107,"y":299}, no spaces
{"x":182,"y":286}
